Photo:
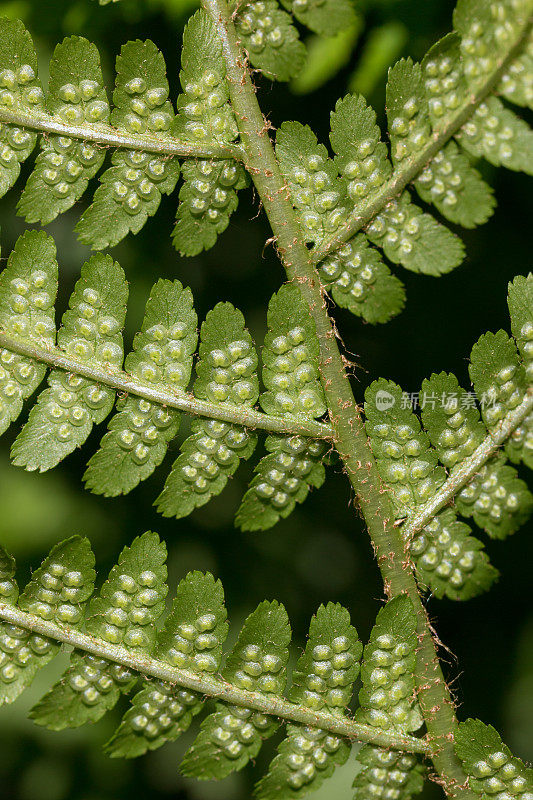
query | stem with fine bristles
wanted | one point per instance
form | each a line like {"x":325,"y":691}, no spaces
{"x":349,"y":433}
{"x":209,"y":685}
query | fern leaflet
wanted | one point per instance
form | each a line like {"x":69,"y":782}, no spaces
{"x":447,"y":558}
{"x":361,"y":196}
{"x":116,"y":643}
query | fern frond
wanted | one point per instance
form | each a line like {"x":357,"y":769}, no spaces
{"x":386,"y":699}
{"x":209,"y":194}
{"x":63,"y":168}
{"x":270,"y":39}
{"x":323,"y":678}
{"x":65,"y":413}
{"x":56,"y":592}
{"x":386,"y":774}
{"x":291,"y":376}
{"x":386,"y":696}
{"x":139,"y":434}
{"x":28,"y":288}
{"x":81,"y":125}
{"x":88,"y":373}
{"x":481,"y":483}
{"x":192,"y":638}
{"x":489,"y":764}
{"x":18,"y":65}
{"x":326,"y":17}
{"x":117,"y":643}
{"x":450,"y":94}
{"x":130,"y":190}
{"x":9,"y":591}
{"x":231,"y":737}
{"x":124,"y":613}
{"x":226,"y":372}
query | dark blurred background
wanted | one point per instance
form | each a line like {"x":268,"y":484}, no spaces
{"x":322,"y":551}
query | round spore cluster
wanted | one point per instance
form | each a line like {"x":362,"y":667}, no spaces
{"x":501,"y":776}
{"x":92,"y":678}
{"x":256,"y":24}
{"x":388,"y":694}
{"x":308,"y":752}
{"x":283,"y":477}
{"x":292,"y":375}
{"x":385,"y":774}
{"x":214,"y":452}
{"x":443,"y":553}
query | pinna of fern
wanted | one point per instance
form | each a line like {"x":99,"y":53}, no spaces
{"x":116,"y":643}
{"x":119,"y":645}
{"x":488,"y":489}
{"x":157,"y":374}
{"x":86,"y":374}
{"x":355,"y":208}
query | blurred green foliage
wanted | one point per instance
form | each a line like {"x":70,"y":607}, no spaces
{"x":315,"y":555}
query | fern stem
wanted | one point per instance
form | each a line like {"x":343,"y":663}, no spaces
{"x":468,"y":469}
{"x":349,"y":433}
{"x":364,"y":212}
{"x":122,"y":382}
{"x":210,"y":686}
{"x":108,"y":136}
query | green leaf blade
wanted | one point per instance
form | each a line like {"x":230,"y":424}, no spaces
{"x":515,"y":84}
{"x":138,"y":435}
{"x":326,"y":17}
{"x":8,"y":585}
{"x":449,"y":561}
{"x":283,"y":478}
{"x":204,"y":112}
{"x":65,"y":166}
{"x":207,"y":199}
{"x":456,"y":189}
{"x":498,"y":135}
{"x":23,"y":92}
{"x":208,"y":195}
{"x":498,"y":376}
{"x":56,"y":592}
{"x":520,"y":302}
{"x":407,"y":110}
{"x":316,"y":191}
{"x":488,"y":761}
{"x":498,"y":500}
{"x":322,"y":679}
{"x":451,"y":419}
{"x":291,"y":376}
{"x":387,"y":772}
{"x":272,"y":41}
{"x":414,"y":239}
{"x":124,"y":613}
{"x":361,"y":157}
{"x":191,"y":639}
{"x":226,"y":372}
{"x":359,"y":280}
{"x":487,"y":35}
{"x":130,"y":190}
{"x":306,"y":758}
{"x":28,"y":288}
{"x":64,"y":414}
{"x":232,"y":736}
{"x":387,"y":672}
{"x":290,"y":358}
{"x":406,"y":462}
